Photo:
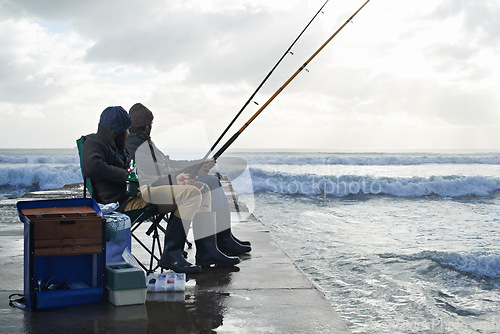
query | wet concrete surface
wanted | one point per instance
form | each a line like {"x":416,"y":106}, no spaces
{"x":265,"y":293}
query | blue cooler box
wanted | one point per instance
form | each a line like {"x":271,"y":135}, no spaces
{"x":118,"y":236}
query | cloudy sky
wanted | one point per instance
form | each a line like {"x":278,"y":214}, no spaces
{"x":405,"y":75}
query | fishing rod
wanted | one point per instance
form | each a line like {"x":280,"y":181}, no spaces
{"x":261,"y":84}
{"x":236,"y":135}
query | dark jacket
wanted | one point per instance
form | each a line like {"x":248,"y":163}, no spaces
{"x":135,"y":140}
{"x":107,"y":170}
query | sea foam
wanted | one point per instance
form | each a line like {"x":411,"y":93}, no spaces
{"x":16,"y":180}
{"x":344,"y":185}
{"x":29,"y":159}
{"x":372,"y":159}
{"x":480,"y":265}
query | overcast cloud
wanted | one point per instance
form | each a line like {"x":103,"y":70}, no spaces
{"x":405,"y":75}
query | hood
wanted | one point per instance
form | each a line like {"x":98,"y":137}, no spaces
{"x":106,"y":133}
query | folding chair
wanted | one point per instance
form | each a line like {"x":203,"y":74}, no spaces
{"x":137,"y":217}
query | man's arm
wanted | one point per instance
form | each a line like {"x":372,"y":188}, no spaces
{"x":94,"y":165}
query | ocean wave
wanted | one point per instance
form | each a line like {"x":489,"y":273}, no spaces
{"x":24,"y":178}
{"x":344,"y":185}
{"x":28,"y":173}
{"x":29,"y":159}
{"x":369,"y":160}
{"x":478,"y":265}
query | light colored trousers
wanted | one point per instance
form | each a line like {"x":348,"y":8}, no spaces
{"x":186,"y":202}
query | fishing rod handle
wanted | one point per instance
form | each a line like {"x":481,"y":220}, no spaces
{"x":226,"y":145}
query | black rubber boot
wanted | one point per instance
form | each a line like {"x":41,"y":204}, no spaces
{"x":172,"y":257}
{"x":241,"y":242}
{"x":225,"y":241}
{"x":207,"y":253}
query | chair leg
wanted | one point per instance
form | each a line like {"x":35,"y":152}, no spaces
{"x":155,"y":246}
{"x":152,"y":254}
{"x":150,"y":251}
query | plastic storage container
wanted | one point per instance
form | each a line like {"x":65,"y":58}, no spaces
{"x":127,"y":297}
{"x":126,"y":285}
{"x":166,"y":282}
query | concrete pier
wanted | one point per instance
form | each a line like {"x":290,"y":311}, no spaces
{"x":265,"y":293}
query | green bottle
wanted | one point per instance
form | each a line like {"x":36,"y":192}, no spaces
{"x":132,"y":180}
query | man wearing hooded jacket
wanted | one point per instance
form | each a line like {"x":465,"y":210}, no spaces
{"x":105,"y":160}
{"x":142,"y":120}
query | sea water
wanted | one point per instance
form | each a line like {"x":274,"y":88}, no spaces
{"x":25,"y":170}
{"x":398,"y":243}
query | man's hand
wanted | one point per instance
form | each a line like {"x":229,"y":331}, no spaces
{"x":183,"y":178}
{"x":205,"y":168}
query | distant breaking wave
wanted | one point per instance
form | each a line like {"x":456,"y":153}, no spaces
{"x":476,"y":265}
{"x":27,"y":159}
{"x":368,"y":159}
{"x":344,"y":185}
{"x":15,"y":181}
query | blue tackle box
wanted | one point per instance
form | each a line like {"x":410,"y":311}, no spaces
{"x":64,"y":252}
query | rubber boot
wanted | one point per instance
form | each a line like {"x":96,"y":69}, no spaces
{"x":241,"y":242}
{"x":225,"y":241}
{"x":207,"y":253}
{"x":172,"y":257}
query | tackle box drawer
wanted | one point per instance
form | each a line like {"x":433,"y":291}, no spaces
{"x":52,"y":247}
{"x":65,"y":230}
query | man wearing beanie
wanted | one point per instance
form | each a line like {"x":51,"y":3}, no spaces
{"x":105,"y":160}
{"x":141,"y":116}
{"x":140,"y":146}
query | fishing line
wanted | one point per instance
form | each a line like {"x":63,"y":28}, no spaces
{"x":236,"y":135}
{"x":262,"y":83}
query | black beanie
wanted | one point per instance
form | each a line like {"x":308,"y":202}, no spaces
{"x":141,"y":116}
{"x":116,"y":118}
